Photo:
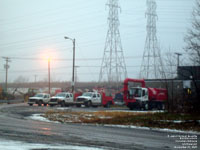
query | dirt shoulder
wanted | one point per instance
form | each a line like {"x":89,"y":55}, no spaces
{"x":187,"y":122}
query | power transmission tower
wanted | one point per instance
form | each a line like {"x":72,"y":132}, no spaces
{"x":6,"y":66}
{"x":151,"y":67}
{"x":113,"y":67}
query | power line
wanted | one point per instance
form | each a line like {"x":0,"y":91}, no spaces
{"x":78,"y":59}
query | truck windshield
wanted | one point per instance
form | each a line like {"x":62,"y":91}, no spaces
{"x":38,"y":95}
{"x":60,"y":95}
{"x":87,"y":94}
{"x":136,"y":92}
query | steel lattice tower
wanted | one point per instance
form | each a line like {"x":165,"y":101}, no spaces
{"x":113,"y":67}
{"x":151,"y":67}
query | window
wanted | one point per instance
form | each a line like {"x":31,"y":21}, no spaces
{"x":87,"y":94}
{"x":143,"y":92}
{"x":135,"y":92}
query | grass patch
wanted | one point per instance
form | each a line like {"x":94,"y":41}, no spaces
{"x":147,"y":119}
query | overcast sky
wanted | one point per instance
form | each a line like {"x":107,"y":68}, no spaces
{"x":36,"y":29}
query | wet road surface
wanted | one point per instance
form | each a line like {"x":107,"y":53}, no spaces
{"x":16,"y":125}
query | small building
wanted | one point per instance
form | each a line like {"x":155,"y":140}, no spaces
{"x":189,"y":73}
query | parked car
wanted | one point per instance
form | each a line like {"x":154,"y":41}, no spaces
{"x":63,"y":99}
{"x":40,"y":98}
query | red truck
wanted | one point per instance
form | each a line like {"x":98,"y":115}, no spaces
{"x":142,"y":97}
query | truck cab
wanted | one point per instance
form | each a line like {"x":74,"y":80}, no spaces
{"x":138,"y":93}
{"x":89,"y":99}
{"x":139,"y":96}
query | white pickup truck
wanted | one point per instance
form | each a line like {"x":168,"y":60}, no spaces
{"x":40,"y":98}
{"x":63,"y":99}
{"x":89,"y":99}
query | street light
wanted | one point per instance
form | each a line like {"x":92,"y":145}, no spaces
{"x":73,"y":82}
{"x":178,"y":55}
{"x":178,"y":61}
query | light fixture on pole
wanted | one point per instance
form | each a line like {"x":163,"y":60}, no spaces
{"x":73,"y":82}
{"x":178,"y":61}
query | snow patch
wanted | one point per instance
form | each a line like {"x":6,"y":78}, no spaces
{"x":137,"y":111}
{"x":17,"y":145}
{"x":153,"y":129}
{"x":39,"y":117}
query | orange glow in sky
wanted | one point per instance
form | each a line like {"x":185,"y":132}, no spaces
{"x":48,"y":55}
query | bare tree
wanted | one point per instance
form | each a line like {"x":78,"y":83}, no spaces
{"x":192,"y":38}
{"x":170,"y":65}
{"x":21,"y":79}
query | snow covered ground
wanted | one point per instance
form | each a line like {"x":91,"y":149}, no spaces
{"x":17,"y":145}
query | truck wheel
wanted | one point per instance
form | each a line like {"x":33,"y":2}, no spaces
{"x":108,"y":105}
{"x":163,"y":106}
{"x":39,"y":103}
{"x":86,"y":104}
{"x":30,"y":104}
{"x":146,"y":107}
{"x":131,"y":107}
{"x":159,"y":106}
{"x":89,"y":104}
{"x":78,"y":105}
{"x":63,"y":104}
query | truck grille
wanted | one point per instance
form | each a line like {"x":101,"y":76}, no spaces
{"x":53,"y":100}
{"x":80,"y":99}
{"x":32,"y":100}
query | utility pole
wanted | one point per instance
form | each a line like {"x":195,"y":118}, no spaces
{"x":113,"y":67}
{"x":152,"y":66}
{"x":73,"y":67}
{"x":49,"y":75}
{"x":76,"y":76}
{"x":6,"y":66}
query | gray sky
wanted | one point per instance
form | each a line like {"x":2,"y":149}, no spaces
{"x":36,"y":29}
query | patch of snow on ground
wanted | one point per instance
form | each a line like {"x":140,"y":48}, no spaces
{"x":153,"y":129}
{"x":17,"y":145}
{"x":38,"y":117}
{"x":62,"y":108}
{"x":136,"y":111}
